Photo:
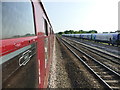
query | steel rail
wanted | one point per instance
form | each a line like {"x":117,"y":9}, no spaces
{"x":106,"y":84}
{"x":106,"y":52}
{"x":93,"y":58}
{"x":86,"y":46}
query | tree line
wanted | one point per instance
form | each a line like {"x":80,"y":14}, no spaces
{"x":77,"y":32}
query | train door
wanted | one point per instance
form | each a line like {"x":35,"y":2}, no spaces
{"x":19,"y":40}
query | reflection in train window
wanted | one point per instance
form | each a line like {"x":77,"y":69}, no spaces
{"x":17,"y":20}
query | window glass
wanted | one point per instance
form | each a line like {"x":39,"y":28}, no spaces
{"x":46,"y":27}
{"x":17,"y":20}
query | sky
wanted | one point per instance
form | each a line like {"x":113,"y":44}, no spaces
{"x":100,"y":15}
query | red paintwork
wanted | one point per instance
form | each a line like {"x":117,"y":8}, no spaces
{"x":40,"y":33}
{"x":10,"y":45}
{"x":39,"y":14}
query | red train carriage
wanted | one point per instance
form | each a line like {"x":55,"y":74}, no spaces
{"x":27,"y":44}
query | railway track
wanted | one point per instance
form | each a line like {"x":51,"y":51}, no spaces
{"x":109,"y":78}
{"x":108,"y":56}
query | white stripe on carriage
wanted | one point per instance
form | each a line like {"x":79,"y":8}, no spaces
{"x":13,"y":54}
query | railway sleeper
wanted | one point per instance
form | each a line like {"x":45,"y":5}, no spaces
{"x":109,"y":77}
{"x":102,"y":73}
{"x":98,"y":68}
{"x":115,"y":87}
{"x":94,"y":65}
{"x":112,"y":81}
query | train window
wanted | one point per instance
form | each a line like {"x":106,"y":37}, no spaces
{"x":17,"y":20}
{"x":46,"y":27}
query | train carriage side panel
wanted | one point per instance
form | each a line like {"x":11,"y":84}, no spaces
{"x":77,"y":35}
{"x":19,"y":46}
{"x":44,"y":36}
{"x":93,"y":37}
{"x":103,"y":37}
{"x":27,"y":43}
{"x":85,"y":36}
{"x":116,"y":39}
{"x":89,"y":36}
{"x":40,"y":33}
